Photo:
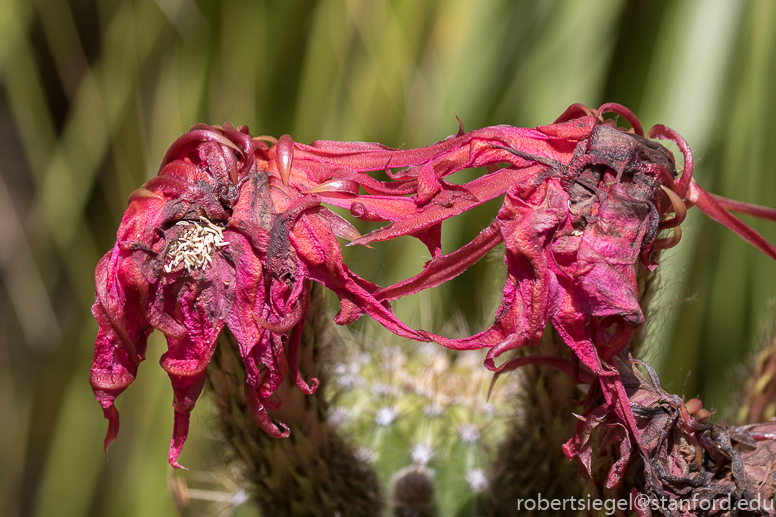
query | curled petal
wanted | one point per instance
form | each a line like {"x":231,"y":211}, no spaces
{"x":187,"y":389}
{"x":265,"y":138}
{"x":574,"y":112}
{"x":627,"y":114}
{"x":447,"y":267}
{"x":284,"y":154}
{"x":285,"y":323}
{"x":292,"y":348}
{"x":340,"y":226}
{"x":122,"y":338}
{"x":143,"y":192}
{"x":180,"y":431}
{"x":204,"y":308}
{"x":461,"y":132}
{"x":670,"y":242}
{"x":262,"y":417}
{"x":111,"y":414}
{"x":342,"y":185}
{"x":610,"y":344}
{"x":579,"y":448}
{"x":201,"y":132}
{"x":679,"y":209}
{"x":260,"y":348}
{"x":664,"y":133}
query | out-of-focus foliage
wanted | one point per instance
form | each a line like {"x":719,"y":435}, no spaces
{"x":92,"y":92}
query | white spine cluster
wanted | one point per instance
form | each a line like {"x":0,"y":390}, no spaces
{"x":194,"y":249}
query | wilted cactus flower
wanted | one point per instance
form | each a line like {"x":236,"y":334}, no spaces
{"x":690,"y":466}
{"x":226,"y":234}
{"x":585,"y":202}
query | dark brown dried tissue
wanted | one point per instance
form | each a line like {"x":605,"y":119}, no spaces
{"x":687,"y":465}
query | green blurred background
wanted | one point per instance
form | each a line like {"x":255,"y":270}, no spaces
{"x":92,"y":92}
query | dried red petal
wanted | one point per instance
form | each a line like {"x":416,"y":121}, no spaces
{"x":272,"y":238}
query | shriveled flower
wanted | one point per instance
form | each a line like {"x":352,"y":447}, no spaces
{"x":226,"y":234}
{"x":585,"y":201}
{"x":689,"y":466}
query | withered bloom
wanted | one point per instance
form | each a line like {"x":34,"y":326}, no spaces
{"x":585,"y":201}
{"x":232,"y":231}
{"x":689,"y":466}
{"x":226,"y":234}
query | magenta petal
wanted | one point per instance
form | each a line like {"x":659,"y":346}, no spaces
{"x":342,"y":185}
{"x":204,"y":307}
{"x":372,"y":208}
{"x":362,"y":156}
{"x":262,"y":417}
{"x":763,"y":212}
{"x":571,"y":322}
{"x":432,"y":238}
{"x":627,"y":114}
{"x":617,"y":471}
{"x":340,"y":226}
{"x":714,"y":209}
{"x":285,"y":323}
{"x":320,"y":251}
{"x":579,"y":448}
{"x":193,"y":138}
{"x":607,"y":256}
{"x":111,"y":373}
{"x":112,"y":415}
{"x":347,"y":181}
{"x":186,"y":392}
{"x":441,"y":269}
{"x":122,"y":338}
{"x":292,"y":348}
{"x":483,"y":189}
{"x":260,"y":348}
{"x":180,"y":431}
{"x":284,"y":153}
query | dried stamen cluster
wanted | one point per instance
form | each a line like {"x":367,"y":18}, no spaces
{"x":195,"y":247}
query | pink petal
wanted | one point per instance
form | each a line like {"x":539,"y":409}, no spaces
{"x":292,"y":348}
{"x":204,"y":307}
{"x":339,"y":225}
{"x":318,"y":248}
{"x":441,"y":269}
{"x":483,"y":188}
{"x":123,"y":334}
{"x":715,"y":209}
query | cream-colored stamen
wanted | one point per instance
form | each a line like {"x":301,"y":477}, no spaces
{"x":195,"y":247}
